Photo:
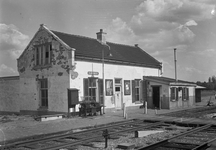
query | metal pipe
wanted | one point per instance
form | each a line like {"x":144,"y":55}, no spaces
{"x":103,"y":81}
{"x":175,"y":61}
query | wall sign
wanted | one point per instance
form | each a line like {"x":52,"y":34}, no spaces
{"x":93,"y":73}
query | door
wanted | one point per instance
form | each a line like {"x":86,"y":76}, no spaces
{"x":118,"y":102}
{"x":156,"y":96}
{"x":198,"y":95}
{"x":180,"y":94}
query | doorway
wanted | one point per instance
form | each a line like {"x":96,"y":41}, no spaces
{"x":156,"y":96}
{"x":118,"y":96}
{"x":118,"y":93}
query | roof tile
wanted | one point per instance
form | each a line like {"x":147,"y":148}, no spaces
{"x":90,"y":47}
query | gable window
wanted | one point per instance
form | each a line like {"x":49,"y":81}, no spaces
{"x":185,"y":93}
{"x":43,"y":92}
{"x":43,"y":54}
{"x":174,"y":93}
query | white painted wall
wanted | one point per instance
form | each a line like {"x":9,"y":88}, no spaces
{"x":111,"y":71}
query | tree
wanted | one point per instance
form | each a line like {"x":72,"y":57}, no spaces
{"x":213,"y":79}
{"x":210,"y":80}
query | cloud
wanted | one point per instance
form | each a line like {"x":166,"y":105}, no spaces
{"x":12,"y":40}
{"x":5,"y":70}
{"x":120,"y":32}
{"x":184,"y":34}
{"x":142,"y":24}
{"x":192,"y":70}
{"x":191,"y":23}
{"x":176,"y":10}
{"x":208,"y":53}
{"x":213,"y":11}
{"x":12,"y":44}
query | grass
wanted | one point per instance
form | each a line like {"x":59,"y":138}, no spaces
{"x":208,"y":93}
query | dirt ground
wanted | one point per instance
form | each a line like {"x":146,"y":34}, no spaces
{"x":19,"y":126}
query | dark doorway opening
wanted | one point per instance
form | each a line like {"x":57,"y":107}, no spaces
{"x":156,"y":96}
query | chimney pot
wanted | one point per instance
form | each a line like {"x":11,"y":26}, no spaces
{"x":101,"y":36}
{"x":136,"y":45}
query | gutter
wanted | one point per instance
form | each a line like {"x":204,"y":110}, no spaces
{"x":116,"y":62}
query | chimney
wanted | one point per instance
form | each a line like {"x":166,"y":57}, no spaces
{"x":136,"y":45}
{"x":101,"y":36}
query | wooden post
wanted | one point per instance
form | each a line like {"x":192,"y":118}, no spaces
{"x":146,"y":110}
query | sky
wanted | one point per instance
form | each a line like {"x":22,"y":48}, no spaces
{"x":157,"y":26}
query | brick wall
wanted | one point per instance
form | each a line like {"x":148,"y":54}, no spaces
{"x":9,"y":95}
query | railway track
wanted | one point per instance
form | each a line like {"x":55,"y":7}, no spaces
{"x":70,"y":140}
{"x":193,"y":113}
{"x":195,"y":139}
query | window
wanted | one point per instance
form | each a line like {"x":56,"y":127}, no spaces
{"x":43,"y":54}
{"x":185,"y":93}
{"x":127,"y":87}
{"x":117,"y":89}
{"x":44,"y":92}
{"x":117,"y":81}
{"x":109,"y":87}
{"x":136,"y":90}
{"x":174,"y":93}
{"x":92,"y":88}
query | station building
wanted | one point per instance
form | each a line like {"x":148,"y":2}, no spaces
{"x":56,"y":67}
{"x":168,"y":93}
{"x":58,"y":70}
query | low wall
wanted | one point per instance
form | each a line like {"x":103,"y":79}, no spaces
{"x":9,"y":95}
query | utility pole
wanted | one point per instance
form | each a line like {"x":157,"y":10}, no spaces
{"x":175,"y":61}
{"x":103,"y":81}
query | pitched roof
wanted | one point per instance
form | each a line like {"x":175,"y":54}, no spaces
{"x":168,"y":80}
{"x":92,"y":48}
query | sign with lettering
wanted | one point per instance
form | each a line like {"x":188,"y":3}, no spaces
{"x":93,"y":73}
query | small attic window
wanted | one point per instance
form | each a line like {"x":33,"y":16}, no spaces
{"x":43,"y":54}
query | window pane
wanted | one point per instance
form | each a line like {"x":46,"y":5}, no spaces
{"x":50,"y":56}
{"x":137,"y":82}
{"x":137,"y":97}
{"x":43,"y":93}
{"x":92,"y":93}
{"x":117,"y":89}
{"x":37,"y":56}
{"x":137,"y":91}
{"x":44,"y":102}
{"x":44,"y":83}
{"x":92,"y":82}
{"x":47,"y":55}
{"x":117,"y":81}
{"x":172,"y":93}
